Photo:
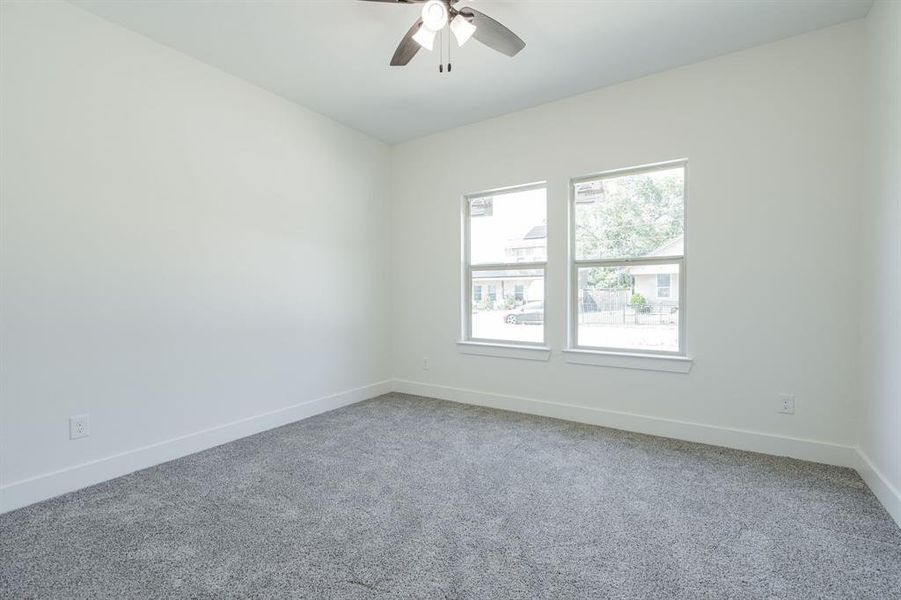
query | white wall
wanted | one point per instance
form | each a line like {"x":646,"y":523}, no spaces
{"x":180,"y":250}
{"x":880,"y":433}
{"x":773,"y":138}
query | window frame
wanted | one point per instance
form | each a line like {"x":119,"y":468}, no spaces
{"x":468,"y":268}
{"x":574,"y":264}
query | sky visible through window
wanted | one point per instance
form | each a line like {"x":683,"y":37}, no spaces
{"x":495,"y":237}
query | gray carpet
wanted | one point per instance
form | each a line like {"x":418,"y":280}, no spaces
{"x":406,"y":497}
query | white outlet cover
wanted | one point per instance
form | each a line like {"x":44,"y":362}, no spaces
{"x":79,"y":426}
{"x":787,"y":404}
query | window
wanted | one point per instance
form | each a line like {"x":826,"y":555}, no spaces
{"x":663,"y":284}
{"x":505,"y":254}
{"x":628,"y":260}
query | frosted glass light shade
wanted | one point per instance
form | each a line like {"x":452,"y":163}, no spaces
{"x":462,"y":29}
{"x":425,"y":38}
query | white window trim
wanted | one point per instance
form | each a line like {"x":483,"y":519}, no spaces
{"x":525,"y":352}
{"x":624,"y":357}
{"x":629,"y":360}
{"x":469,"y":344}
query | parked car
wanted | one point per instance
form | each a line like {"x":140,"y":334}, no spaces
{"x":530,"y":312}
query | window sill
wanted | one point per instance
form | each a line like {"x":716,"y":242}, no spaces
{"x":505,"y":350}
{"x":626,"y":360}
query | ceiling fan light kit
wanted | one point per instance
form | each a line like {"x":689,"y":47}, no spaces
{"x":464,"y":23}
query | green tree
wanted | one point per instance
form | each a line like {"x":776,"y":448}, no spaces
{"x":631,"y":216}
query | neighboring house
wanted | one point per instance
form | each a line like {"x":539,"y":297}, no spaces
{"x":514,"y":289}
{"x":531,"y":248}
{"x":659,"y":284}
{"x":500,"y":289}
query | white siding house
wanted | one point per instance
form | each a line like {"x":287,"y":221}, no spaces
{"x":659,"y":284}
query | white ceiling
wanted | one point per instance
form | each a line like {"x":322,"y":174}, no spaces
{"x":332,"y":55}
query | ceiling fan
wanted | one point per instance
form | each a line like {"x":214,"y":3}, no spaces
{"x":464,"y":23}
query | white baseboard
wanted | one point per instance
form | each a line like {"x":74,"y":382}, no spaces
{"x":881,"y":486}
{"x":741,"y":439}
{"x":28,"y":491}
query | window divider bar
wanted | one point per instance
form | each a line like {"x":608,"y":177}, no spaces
{"x":614,"y":262}
{"x":508,"y":266}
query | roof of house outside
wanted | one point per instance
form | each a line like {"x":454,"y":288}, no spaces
{"x":674,"y":247}
{"x":536,"y":233}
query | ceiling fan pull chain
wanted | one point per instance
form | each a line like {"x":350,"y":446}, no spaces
{"x":448,"y":54}
{"x":441,"y":51}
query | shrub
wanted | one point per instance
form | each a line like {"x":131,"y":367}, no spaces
{"x":485,"y":304}
{"x":638,"y":302}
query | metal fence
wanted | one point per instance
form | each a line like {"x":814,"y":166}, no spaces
{"x":614,"y":307}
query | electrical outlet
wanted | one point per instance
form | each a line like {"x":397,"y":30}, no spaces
{"x":425,"y":363}
{"x":787,"y":404}
{"x":79,"y":426}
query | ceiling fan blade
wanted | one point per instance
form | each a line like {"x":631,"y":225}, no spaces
{"x":396,"y":1}
{"x":407,"y":48}
{"x":493,"y":34}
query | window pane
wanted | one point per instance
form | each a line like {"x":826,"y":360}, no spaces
{"x":624,"y":307}
{"x":663,"y":285}
{"x":508,"y":227}
{"x":514,"y":311}
{"x":631,"y":216}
